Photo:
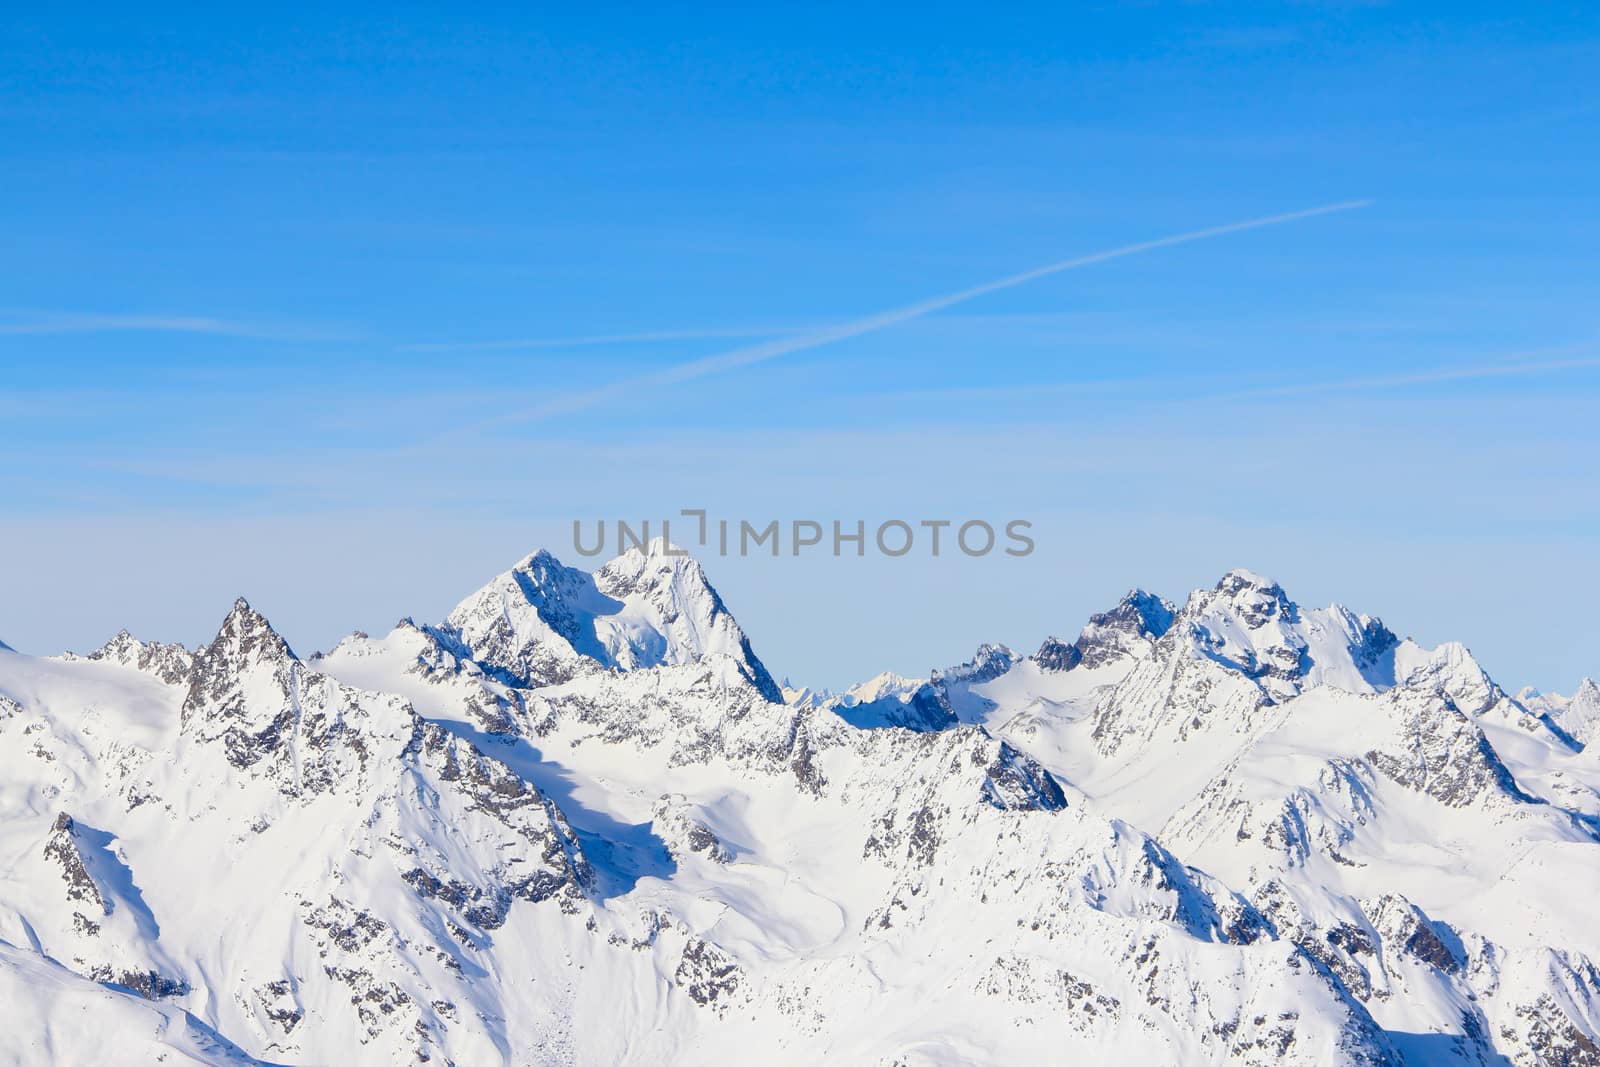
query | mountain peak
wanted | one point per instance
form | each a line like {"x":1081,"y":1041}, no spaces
{"x":990,"y":661}
{"x":1581,"y":718}
{"x":1153,"y":613}
{"x":247,"y":636}
{"x":119,"y":645}
{"x":1057,"y":655}
{"x":640,"y":568}
{"x":1137,"y":621}
{"x":1249,"y":598}
{"x":395,"y":820}
{"x":542,"y":621}
{"x":538,"y":559}
{"x":654,"y":548}
{"x":170,"y":663}
{"x":1243,"y":578}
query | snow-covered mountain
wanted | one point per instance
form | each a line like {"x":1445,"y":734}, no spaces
{"x":578,"y":821}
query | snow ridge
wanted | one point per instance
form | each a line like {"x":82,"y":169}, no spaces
{"x":577,"y":821}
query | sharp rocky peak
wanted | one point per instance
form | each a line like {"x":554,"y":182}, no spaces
{"x":1057,"y":655}
{"x":245,"y":641}
{"x":245,"y":637}
{"x":1254,"y":599}
{"x":121,"y":643}
{"x":1581,"y":717}
{"x":1249,"y":623}
{"x":1241,"y":578}
{"x":543,"y":622}
{"x":170,"y":663}
{"x":1137,"y":621}
{"x":990,"y":661}
{"x":1239,"y":646}
{"x":1450,"y":669}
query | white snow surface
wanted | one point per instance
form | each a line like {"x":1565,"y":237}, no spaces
{"x":578,"y":822}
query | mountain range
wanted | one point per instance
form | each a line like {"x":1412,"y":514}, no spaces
{"x":578,"y":821}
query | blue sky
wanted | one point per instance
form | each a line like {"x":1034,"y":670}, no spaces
{"x":271,"y":288}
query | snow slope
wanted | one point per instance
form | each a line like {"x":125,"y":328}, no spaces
{"x":576,"y":821}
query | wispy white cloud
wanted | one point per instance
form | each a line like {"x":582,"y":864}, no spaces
{"x":1511,"y":368}
{"x":1580,"y":356}
{"x":647,"y":337}
{"x":783,"y":346}
{"x":46,"y":323}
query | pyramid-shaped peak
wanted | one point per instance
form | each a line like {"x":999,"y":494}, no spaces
{"x":121,"y":643}
{"x":1581,"y":717}
{"x":542,"y":621}
{"x":246,"y":635}
{"x":539,"y":559}
{"x":1127,"y":630}
{"x":1140,"y":610}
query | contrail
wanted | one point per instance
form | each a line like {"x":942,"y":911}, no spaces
{"x":594,"y":339}
{"x":1429,"y":377}
{"x":96,"y":323}
{"x":759,"y":353}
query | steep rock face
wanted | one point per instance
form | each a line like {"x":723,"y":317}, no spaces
{"x":685,"y":833}
{"x":1579,"y":716}
{"x":1452,"y":671}
{"x":684,"y":610}
{"x":1441,"y":751}
{"x":987,"y":664}
{"x":170,"y":663}
{"x":1126,"y":631}
{"x":534,"y":623}
{"x":272,"y":715}
{"x":1057,"y":655}
{"x":1248,"y":624}
{"x":1381,"y":949}
{"x":546,"y":859}
{"x":1318,"y":818}
{"x":104,"y":938}
{"x":959,"y":687}
{"x":1235,"y":649}
{"x":1177,"y":692}
{"x":543,"y":623}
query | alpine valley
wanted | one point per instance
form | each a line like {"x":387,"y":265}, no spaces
{"x":577,"y":821}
